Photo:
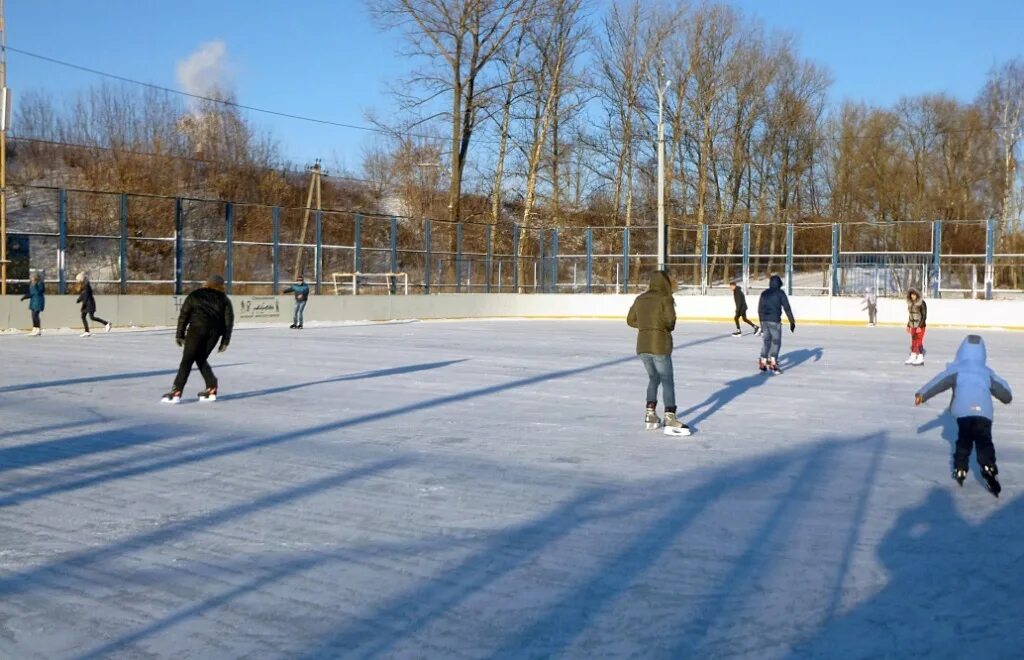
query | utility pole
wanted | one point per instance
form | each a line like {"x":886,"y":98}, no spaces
{"x":314,"y":186}
{"x":662,"y":256}
{"x":5,"y":101}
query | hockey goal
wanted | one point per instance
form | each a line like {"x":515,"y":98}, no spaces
{"x":390,"y":281}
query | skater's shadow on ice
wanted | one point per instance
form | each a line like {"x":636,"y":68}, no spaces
{"x":952,"y":587}
{"x":380,"y":373}
{"x":740,"y":386}
{"x":100,"y":379}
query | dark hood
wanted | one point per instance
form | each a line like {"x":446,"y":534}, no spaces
{"x":660,"y":283}
{"x":775,"y":282}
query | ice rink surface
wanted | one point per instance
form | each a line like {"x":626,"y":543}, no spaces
{"x":486,"y":489}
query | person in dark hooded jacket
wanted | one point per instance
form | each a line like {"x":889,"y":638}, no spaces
{"x":654,"y":314}
{"x":741,"y":309}
{"x":773,"y":302}
{"x":88,"y":301}
{"x":206,"y":318}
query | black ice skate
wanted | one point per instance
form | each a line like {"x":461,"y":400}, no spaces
{"x":174,"y":396}
{"x":762,"y":364}
{"x":208,"y":395}
{"x":773,"y":364}
{"x":737,"y":333}
{"x":988,"y":473}
{"x":960,"y":474}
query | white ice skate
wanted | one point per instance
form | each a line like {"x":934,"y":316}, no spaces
{"x":36,"y":332}
{"x":86,"y":334}
{"x":919,"y":360}
{"x":674,"y":427}
{"x":107,"y":327}
{"x":651,"y":420}
{"x":912,"y":359}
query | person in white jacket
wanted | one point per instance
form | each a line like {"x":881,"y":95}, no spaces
{"x":973,"y":384}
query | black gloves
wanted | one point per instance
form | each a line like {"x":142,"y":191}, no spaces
{"x":179,"y":341}
{"x":792,"y":326}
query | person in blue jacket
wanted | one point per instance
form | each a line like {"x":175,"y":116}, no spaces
{"x":301,"y":291}
{"x":973,"y":384}
{"x":769,"y":311}
{"x":36,"y":298}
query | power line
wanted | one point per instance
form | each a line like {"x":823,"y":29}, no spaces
{"x":211,"y":99}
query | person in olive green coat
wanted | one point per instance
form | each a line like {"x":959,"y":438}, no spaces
{"x":654,"y":314}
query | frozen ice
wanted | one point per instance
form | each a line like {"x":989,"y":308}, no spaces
{"x":486,"y":489}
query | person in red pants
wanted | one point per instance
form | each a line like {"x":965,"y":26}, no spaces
{"x":917,"y":324}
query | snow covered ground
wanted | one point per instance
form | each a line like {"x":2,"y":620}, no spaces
{"x":485,"y":489}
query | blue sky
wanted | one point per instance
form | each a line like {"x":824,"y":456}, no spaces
{"x":325,"y":58}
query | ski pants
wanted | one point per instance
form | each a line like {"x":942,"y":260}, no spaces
{"x":742,"y":314}
{"x":659,"y":372}
{"x":300,"y":307}
{"x":35,"y":319}
{"x":772,"y":342}
{"x":974,"y":432}
{"x":917,"y":340}
{"x":91,"y":315}
{"x":198,"y":347}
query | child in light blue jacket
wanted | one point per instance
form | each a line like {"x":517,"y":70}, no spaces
{"x":973,"y":385}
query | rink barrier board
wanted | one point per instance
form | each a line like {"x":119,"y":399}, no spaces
{"x":149,"y":311}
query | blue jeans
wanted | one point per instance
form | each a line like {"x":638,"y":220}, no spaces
{"x":300,"y":306}
{"x":659,"y":372}
{"x":772,"y":343}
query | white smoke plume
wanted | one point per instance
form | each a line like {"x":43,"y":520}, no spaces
{"x":206,"y":72}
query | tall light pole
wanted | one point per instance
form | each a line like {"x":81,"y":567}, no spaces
{"x":662,"y":257}
{"x":4,"y":102}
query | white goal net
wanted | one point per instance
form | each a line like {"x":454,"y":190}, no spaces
{"x":352,"y":282}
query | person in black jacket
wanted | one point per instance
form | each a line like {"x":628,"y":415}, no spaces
{"x":88,"y":304}
{"x":741,"y":310}
{"x":769,"y":311}
{"x":206,"y":318}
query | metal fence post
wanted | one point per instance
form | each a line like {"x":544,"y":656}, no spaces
{"x":357,"y":246}
{"x":276,"y":250}
{"x":789,"y":259}
{"x":554,"y":261}
{"x":625,"y":259}
{"x":990,"y":251}
{"x":229,"y":240}
{"x":539,"y":283}
{"x":458,"y":258}
{"x":590,"y":259}
{"x":834,"y":285}
{"x":62,"y":242}
{"x":746,"y":256}
{"x":488,"y":259}
{"x":122,"y":253}
{"x":394,"y":244}
{"x":179,"y":246}
{"x":937,"y":258}
{"x":318,"y":252}
{"x":704,"y":239}
{"x":515,"y":258}
{"x":428,"y":258}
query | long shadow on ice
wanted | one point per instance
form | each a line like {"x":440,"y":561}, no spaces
{"x":99,"y":379}
{"x":76,"y":446}
{"x":740,"y":386}
{"x":379,"y":373}
{"x":150,"y":464}
{"x":663,"y":556}
{"x":953,"y":588}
